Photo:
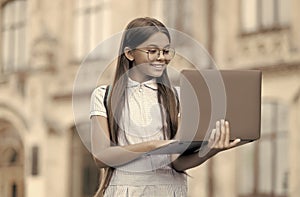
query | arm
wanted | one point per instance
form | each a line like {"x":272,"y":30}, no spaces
{"x":106,"y":155}
{"x":218,"y":141}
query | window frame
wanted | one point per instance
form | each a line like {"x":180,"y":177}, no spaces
{"x":273,"y":137}
{"x":277,"y":25}
{"x":177,"y":15}
{"x":86,"y":12}
{"x":16,"y":30}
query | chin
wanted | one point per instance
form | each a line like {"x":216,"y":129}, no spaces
{"x":157,"y":74}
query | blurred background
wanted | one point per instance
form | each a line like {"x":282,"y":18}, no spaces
{"x":42,"y":44}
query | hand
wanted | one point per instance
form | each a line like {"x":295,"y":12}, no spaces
{"x":220,"y":137}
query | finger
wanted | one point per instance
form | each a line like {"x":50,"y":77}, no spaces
{"x":227,"y":134}
{"x":234,"y":143}
{"x":222,"y":132}
{"x":212,"y":135}
{"x":211,"y":141}
{"x":217,"y":136}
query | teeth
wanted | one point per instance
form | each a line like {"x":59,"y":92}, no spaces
{"x":157,"y":65}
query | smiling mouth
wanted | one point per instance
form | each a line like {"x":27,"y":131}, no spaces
{"x":158,"y":66}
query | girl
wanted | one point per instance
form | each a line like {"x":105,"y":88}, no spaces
{"x":139,"y":113}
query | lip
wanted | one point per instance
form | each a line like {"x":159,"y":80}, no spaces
{"x":158,"y":66}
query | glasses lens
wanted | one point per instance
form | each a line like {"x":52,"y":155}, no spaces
{"x":153,"y":54}
{"x":168,"y":53}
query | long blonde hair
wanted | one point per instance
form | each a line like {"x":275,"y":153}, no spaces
{"x":137,"y":32}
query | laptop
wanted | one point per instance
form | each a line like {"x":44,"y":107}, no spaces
{"x":210,"y":95}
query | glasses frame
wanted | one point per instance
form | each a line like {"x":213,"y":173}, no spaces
{"x":161,"y":51}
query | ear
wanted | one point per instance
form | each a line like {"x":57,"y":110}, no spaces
{"x":128,"y":53}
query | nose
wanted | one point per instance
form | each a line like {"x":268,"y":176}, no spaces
{"x":161,"y":55}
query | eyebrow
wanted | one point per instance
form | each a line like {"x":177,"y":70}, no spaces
{"x":154,"y":45}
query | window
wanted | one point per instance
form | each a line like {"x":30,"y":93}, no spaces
{"x":14,"y":53}
{"x":263,"y":167}
{"x":177,"y":14}
{"x":257,"y":15}
{"x":84,"y":180}
{"x":35,"y":161}
{"x":14,"y":190}
{"x":90,"y":25}
{"x":90,"y":177}
{"x":156,"y":9}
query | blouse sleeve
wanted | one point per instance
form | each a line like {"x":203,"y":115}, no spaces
{"x":97,"y":107}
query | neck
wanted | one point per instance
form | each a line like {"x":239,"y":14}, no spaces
{"x":139,"y":78}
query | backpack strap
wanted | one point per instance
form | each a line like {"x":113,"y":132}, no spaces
{"x":177,"y":99}
{"x":105,"y":101}
{"x":106,"y":96}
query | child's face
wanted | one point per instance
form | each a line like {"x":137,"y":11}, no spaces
{"x":147,"y":63}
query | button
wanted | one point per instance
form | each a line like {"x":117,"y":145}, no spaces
{"x":141,"y":88}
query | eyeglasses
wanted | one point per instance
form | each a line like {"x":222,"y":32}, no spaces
{"x":154,"y":53}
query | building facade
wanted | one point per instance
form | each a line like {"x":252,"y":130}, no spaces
{"x":47,"y":46}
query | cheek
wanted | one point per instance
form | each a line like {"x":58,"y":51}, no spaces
{"x":141,"y":60}
{"x":144,"y":67}
{"x":140,"y":57}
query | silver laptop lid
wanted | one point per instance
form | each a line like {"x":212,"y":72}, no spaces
{"x":210,"y":95}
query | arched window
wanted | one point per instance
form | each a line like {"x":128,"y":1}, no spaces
{"x":10,"y":156}
{"x":11,"y":161}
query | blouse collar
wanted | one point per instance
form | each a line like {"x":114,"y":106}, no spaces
{"x":150,"y":83}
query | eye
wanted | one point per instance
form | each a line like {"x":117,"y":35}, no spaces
{"x":166,"y":51}
{"x":152,"y":51}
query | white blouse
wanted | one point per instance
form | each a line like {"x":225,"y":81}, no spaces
{"x":141,"y":120}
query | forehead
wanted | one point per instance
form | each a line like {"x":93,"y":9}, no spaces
{"x":158,"y":39}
